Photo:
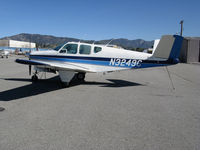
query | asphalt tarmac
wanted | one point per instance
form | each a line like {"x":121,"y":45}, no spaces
{"x":129,"y":110}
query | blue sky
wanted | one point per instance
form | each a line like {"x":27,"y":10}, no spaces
{"x":102,"y":19}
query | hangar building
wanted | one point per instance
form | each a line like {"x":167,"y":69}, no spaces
{"x":190,"y":51}
{"x":17,"y":44}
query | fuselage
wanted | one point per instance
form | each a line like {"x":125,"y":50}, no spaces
{"x":91,"y":55}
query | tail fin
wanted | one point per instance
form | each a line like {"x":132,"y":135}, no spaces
{"x":168,"y":48}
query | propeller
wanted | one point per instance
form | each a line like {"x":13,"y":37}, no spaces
{"x":29,"y":66}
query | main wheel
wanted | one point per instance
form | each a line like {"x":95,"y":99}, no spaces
{"x":65,"y":84}
{"x":81,"y":76}
{"x":34,"y":78}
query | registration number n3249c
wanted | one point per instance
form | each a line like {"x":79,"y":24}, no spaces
{"x":125,"y":62}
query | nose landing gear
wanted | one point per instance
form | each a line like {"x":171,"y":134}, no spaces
{"x":34,"y":78}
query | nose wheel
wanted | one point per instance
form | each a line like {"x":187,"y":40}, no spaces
{"x":34,"y":78}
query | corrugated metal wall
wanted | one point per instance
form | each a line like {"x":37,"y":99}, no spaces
{"x":199,"y":50}
{"x":4,"y":43}
{"x":183,"y":53}
{"x":193,"y":51}
{"x":190,"y":51}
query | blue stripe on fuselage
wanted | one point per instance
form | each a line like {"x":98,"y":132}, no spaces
{"x":64,"y":59}
{"x":97,"y":61}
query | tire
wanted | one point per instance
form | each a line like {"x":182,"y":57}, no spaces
{"x":81,"y":76}
{"x":65,"y":84}
{"x":34,"y":78}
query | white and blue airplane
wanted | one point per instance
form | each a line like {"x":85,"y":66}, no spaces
{"x":77,"y":58}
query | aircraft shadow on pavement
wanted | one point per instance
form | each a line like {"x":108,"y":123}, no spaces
{"x":113,"y":83}
{"x":53,"y":84}
{"x":42,"y":86}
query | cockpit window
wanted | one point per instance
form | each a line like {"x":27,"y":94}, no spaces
{"x":85,"y":49}
{"x":97,"y":49}
{"x":69,"y":49}
{"x":58,"y":47}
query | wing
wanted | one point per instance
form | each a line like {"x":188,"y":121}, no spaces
{"x":55,"y":65}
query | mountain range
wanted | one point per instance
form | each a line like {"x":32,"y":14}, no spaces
{"x":51,"y":41}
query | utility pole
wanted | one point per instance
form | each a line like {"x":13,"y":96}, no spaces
{"x":181,"y":33}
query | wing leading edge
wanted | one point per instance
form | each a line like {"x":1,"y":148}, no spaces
{"x":54,"y":65}
{"x":29,"y":62}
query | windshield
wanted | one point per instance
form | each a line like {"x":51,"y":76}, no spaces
{"x":58,"y":47}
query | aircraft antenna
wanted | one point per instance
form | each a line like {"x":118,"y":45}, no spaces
{"x":109,"y":42}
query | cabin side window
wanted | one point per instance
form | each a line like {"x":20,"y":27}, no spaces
{"x":97,"y":49}
{"x":85,"y":49}
{"x":69,"y":49}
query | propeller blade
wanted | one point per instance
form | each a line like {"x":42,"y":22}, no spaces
{"x":29,"y":70}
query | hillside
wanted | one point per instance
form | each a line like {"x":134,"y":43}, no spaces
{"x":51,"y":41}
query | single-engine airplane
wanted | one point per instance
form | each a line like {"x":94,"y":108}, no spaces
{"x":4,"y":53}
{"x":77,"y":58}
